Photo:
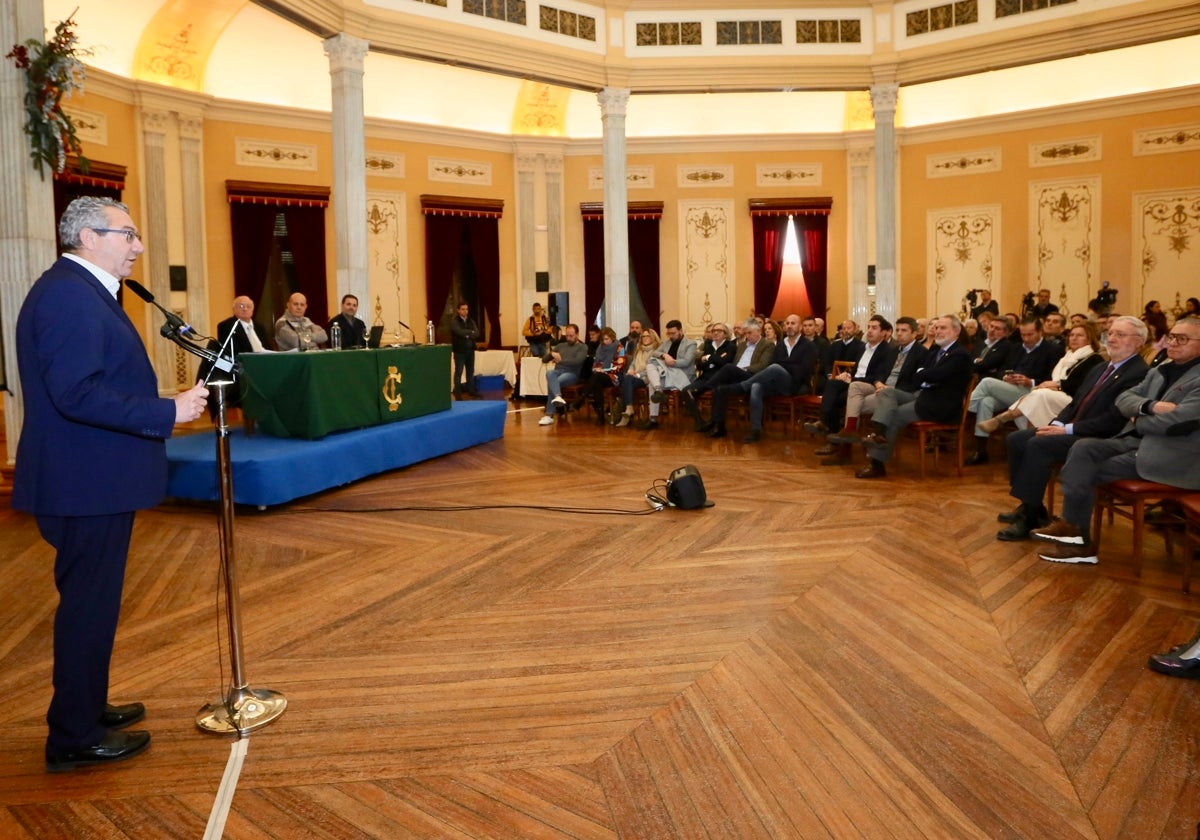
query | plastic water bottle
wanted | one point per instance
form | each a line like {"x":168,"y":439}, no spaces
{"x":429,"y":336}
{"x":335,"y":337}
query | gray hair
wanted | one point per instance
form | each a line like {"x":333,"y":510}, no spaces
{"x":1135,"y":324}
{"x":752,"y":324}
{"x":84,"y":212}
{"x":1190,"y":321}
{"x":955,"y":324}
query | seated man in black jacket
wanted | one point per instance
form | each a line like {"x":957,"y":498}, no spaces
{"x":1032,"y":453}
{"x":790,"y":372}
{"x":872,"y":366}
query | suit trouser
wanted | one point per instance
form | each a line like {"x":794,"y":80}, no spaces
{"x":833,"y":402}
{"x":894,"y":410}
{"x":1092,"y":462}
{"x":860,"y":399}
{"x":773,"y":381}
{"x":89,"y":572}
{"x":1031,"y":458}
{"x":464,"y":360}
{"x":724,"y":375}
{"x":992,"y":394}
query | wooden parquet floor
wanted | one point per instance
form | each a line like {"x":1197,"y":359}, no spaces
{"x":813,"y":657}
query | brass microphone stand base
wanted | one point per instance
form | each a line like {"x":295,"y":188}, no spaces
{"x":246,"y":709}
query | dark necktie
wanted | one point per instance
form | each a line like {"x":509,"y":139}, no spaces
{"x":1087,"y":398}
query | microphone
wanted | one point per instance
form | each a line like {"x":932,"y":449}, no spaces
{"x":174,"y":321}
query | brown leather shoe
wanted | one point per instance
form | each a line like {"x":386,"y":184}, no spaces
{"x":874,"y":440}
{"x":873,"y":469}
{"x":827,"y":449}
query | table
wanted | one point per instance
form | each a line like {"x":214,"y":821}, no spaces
{"x":533,"y":376}
{"x":496,"y":363}
{"x":309,"y":395}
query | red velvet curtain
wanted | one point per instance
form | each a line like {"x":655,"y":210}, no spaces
{"x":593,"y":268}
{"x":253,"y":240}
{"x":770,"y":235}
{"x":446,"y":235}
{"x":442,"y":237}
{"x":484,"y":235}
{"x":643,"y":264}
{"x":812,"y":233}
{"x":306,"y":239}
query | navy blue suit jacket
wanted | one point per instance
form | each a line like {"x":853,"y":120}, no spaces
{"x":92,"y":442}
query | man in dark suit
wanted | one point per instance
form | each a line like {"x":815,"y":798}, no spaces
{"x":845,"y":347}
{"x":751,"y":355}
{"x":463,"y":335}
{"x":1093,"y":413}
{"x":994,"y":356}
{"x":717,"y":351}
{"x":790,"y":373}
{"x":91,"y":453}
{"x":874,"y":364}
{"x":941,"y":386}
{"x":247,"y":337}
{"x":353,"y":330}
{"x":1032,"y":362}
{"x":986,"y":304}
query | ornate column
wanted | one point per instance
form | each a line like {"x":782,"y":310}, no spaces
{"x":156,"y":260}
{"x":613,"y":102}
{"x":26,"y":209}
{"x":883,"y":100}
{"x":191,"y":166}
{"x":554,"y":218}
{"x":859,"y":161}
{"x":346,"y":54}
{"x":526,"y":229}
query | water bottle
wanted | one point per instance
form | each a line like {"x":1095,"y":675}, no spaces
{"x":429,"y":336}
{"x":335,"y":337}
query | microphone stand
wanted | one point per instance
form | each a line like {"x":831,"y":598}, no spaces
{"x":410,"y":331}
{"x":242,"y":709}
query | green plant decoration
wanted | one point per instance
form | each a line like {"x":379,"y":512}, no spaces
{"x":53,"y":71}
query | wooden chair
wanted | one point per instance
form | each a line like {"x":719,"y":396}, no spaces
{"x":1129,"y":498}
{"x":936,"y":435}
{"x":1189,"y":506}
{"x":808,"y":407}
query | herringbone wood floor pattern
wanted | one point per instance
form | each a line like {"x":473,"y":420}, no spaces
{"x":813,"y":657}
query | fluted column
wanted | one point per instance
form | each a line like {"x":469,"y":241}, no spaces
{"x":883,"y":101}
{"x":554,"y":218}
{"x":346,"y":54}
{"x":859,"y":161}
{"x":613,"y":104}
{"x":156,"y":260}
{"x":191,"y":166}
{"x":26,"y":207}
{"x":526,"y":229}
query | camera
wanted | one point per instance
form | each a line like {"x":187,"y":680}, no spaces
{"x":1104,"y":301}
{"x":1027,"y":302}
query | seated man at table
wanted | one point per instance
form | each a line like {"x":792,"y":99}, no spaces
{"x":247,"y":337}
{"x":568,"y":356}
{"x":353,"y":330}
{"x":294,"y":331}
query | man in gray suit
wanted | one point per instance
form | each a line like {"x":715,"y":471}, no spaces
{"x":672,"y":367}
{"x":1161,"y":443}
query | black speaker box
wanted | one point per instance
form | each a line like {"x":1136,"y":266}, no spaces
{"x":560,"y":309}
{"x":685,"y":489}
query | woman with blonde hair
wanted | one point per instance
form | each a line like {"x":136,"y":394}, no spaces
{"x":1047,"y":399}
{"x":635,"y":377}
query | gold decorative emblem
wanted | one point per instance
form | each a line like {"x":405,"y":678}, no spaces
{"x":391,"y":388}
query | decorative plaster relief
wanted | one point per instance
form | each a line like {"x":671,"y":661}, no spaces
{"x":1167,"y":227}
{"x":91,"y":126}
{"x":788,"y":175}
{"x":275,"y":155}
{"x":387,"y":268}
{"x":963,"y":163}
{"x":636,"y":177}
{"x":460,"y":171}
{"x":1064,"y":151}
{"x":1168,"y":138}
{"x":706,"y":255}
{"x":1064,"y":223}
{"x":964,"y":254}
{"x":386,"y":164}
{"x":704,"y":176}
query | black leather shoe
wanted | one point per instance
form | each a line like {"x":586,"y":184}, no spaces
{"x":827,"y":449}
{"x":646,"y":425}
{"x":688,"y":400}
{"x":874,"y":439}
{"x":817,"y":428}
{"x":706,"y":427}
{"x":1174,"y":666}
{"x":846,"y":437}
{"x":873,"y":469}
{"x":116,"y":746}
{"x":118,"y":717}
{"x":753,"y":436}
{"x":1012,"y":515}
{"x":1018,"y":530}
{"x":717,"y":431}
{"x":977,"y":458}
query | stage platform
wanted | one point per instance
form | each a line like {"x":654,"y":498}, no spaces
{"x":271,"y":471}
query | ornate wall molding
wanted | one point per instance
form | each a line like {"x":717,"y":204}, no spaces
{"x":387,"y":265}
{"x":1074,"y":150}
{"x":788,"y":175}
{"x":1064,"y":218}
{"x":704,"y":176}
{"x":387,"y":164}
{"x":706,"y":257}
{"x":636,"y":177}
{"x":460,"y":171}
{"x":90,"y":126}
{"x":273,"y":155}
{"x":963,"y":163}
{"x":1167,"y":139}
{"x":1166,"y":227}
{"x":964,"y":254}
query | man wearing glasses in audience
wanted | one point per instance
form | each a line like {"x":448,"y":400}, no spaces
{"x":1160,"y":442}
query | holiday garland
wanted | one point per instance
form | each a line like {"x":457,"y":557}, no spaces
{"x":53,"y":71}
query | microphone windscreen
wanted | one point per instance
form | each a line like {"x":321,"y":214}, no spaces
{"x":140,"y":290}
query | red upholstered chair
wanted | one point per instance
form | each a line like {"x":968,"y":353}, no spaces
{"x":1128,"y":498}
